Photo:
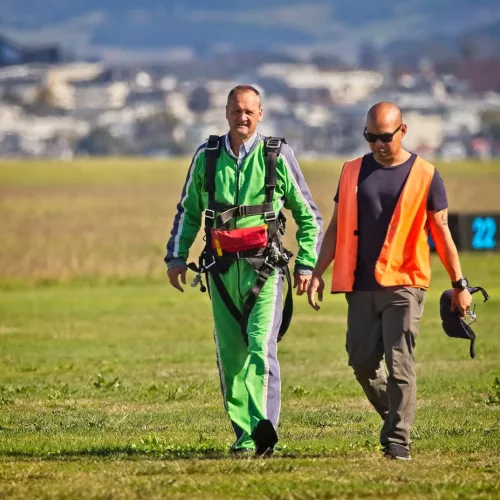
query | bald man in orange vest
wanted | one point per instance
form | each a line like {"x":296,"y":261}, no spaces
{"x":378,"y":240}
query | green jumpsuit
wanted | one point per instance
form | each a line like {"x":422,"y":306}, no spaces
{"x":249,"y":375}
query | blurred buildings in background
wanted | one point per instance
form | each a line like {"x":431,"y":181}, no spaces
{"x":55,"y":108}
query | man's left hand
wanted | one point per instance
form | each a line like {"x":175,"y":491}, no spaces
{"x":301,"y":282}
{"x":461,"y":301}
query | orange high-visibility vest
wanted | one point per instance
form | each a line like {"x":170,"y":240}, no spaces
{"x":405,"y":256}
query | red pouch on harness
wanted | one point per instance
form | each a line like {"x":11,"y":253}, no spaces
{"x":238,"y":240}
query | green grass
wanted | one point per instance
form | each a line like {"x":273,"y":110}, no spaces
{"x":108,"y":381}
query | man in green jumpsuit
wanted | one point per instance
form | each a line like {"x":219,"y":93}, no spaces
{"x":249,"y":371}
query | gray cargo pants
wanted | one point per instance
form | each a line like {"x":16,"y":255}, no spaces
{"x":385,"y":322}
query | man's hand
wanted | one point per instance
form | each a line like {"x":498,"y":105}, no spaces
{"x":173,"y":275}
{"x":317,"y":285}
{"x":301,"y":282}
{"x":461,"y":301}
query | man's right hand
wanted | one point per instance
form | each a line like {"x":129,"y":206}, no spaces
{"x":317,"y":285}
{"x":173,"y":275}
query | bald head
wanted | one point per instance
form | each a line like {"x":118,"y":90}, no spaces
{"x":384,"y":114}
{"x":384,"y":132}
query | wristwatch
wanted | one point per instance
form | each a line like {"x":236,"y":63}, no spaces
{"x":462,"y":283}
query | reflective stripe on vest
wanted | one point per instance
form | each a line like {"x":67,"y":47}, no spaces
{"x":405,"y":255}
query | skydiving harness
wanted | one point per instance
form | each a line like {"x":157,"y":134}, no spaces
{"x":269,"y":255}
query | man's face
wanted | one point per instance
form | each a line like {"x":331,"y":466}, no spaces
{"x":385,"y":151}
{"x":243,"y":113}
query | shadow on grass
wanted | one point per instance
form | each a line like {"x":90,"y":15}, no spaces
{"x":172,"y":453}
{"x":129,"y":451}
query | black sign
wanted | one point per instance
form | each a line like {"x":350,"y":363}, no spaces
{"x":473,"y":231}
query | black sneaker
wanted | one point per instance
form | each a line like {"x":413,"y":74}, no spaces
{"x":396,"y":452}
{"x":265,"y":438}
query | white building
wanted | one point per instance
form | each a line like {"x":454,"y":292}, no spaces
{"x":345,"y":87}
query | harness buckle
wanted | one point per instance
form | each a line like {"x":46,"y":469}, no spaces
{"x":209,"y":214}
{"x":267,"y":267}
{"x":212,"y":148}
{"x":208,"y":266}
{"x":273,"y":143}
{"x":269,"y":216}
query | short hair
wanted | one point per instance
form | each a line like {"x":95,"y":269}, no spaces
{"x":243,"y":88}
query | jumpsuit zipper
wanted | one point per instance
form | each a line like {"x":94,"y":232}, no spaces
{"x":238,"y":166}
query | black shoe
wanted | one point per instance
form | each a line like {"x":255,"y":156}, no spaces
{"x":265,"y":438}
{"x":396,"y":452}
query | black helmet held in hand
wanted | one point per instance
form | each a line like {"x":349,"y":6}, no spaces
{"x":453,"y":324}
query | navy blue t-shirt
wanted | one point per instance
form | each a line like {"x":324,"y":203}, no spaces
{"x":379,"y":189}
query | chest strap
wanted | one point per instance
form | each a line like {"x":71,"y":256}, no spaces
{"x":274,"y":257}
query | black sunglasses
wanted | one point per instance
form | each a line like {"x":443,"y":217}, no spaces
{"x":387,"y":137}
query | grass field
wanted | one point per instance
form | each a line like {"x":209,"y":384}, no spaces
{"x":108,"y":382}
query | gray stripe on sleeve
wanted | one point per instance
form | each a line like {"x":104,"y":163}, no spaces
{"x":301,"y":186}
{"x":173,"y":242}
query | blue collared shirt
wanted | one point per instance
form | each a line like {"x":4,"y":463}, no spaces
{"x":245,"y":148}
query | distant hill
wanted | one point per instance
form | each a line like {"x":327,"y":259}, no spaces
{"x":205,"y":27}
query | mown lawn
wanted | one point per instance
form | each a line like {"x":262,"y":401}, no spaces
{"x":108,"y":382}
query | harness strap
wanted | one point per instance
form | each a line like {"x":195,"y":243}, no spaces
{"x":217,"y":206}
{"x":259,"y":258}
{"x":212,"y":153}
{"x":287,"y":306}
{"x":242,"y":317}
{"x":263,"y":275}
{"x":265,"y":209}
{"x":272,"y":150}
{"x":228,"y":301}
{"x":246,"y":254}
